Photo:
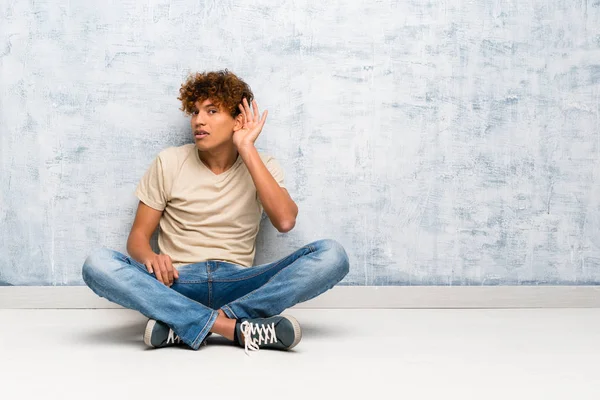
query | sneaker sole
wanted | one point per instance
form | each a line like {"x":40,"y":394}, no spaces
{"x":297,"y":330}
{"x":148,"y":332}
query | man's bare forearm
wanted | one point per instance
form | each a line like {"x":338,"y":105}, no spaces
{"x":138,"y":247}
{"x":277,"y":203}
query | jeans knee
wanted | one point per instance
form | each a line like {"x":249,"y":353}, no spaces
{"x":95,"y":265}
{"x":337,"y":257}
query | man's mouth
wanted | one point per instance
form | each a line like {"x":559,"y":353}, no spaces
{"x":200,"y":134}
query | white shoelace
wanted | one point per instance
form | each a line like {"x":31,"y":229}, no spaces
{"x":173,"y":338}
{"x":266,"y":334}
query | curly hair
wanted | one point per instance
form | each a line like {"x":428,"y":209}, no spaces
{"x":223,"y":87}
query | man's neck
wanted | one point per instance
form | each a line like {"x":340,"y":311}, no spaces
{"x":219,"y":160}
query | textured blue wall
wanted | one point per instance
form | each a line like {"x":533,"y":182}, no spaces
{"x":442,"y":142}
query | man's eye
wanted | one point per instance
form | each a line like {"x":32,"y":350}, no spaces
{"x":212,"y":111}
{"x":195,"y":112}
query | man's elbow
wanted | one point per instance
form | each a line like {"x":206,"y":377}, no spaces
{"x":286,"y":226}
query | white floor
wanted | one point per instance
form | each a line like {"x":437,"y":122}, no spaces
{"x":391,"y":354}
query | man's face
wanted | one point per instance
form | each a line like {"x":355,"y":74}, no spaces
{"x":211,"y":125}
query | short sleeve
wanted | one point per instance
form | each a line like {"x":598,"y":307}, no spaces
{"x":151,"y":189}
{"x":275,"y":169}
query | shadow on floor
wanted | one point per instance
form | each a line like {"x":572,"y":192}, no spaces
{"x":130,"y":334}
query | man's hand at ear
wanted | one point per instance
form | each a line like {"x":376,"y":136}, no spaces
{"x":250,"y":127}
{"x":278,"y":204}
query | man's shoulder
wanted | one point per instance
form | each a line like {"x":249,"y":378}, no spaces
{"x":175,"y":156}
{"x":177,"y":152}
{"x":265,"y":156}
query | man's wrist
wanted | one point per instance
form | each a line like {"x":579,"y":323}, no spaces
{"x":246,"y":149}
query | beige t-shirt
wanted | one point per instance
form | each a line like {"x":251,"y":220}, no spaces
{"x":205,"y":216}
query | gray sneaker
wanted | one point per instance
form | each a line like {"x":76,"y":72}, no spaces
{"x":158,"y":334}
{"x":280,"y":332}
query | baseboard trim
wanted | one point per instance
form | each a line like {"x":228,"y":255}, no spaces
{"x":349,"y":297}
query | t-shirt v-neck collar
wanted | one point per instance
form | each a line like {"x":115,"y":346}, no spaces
{"x":212,"y":174}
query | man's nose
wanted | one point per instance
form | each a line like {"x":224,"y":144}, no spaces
{"x":198,"y":120}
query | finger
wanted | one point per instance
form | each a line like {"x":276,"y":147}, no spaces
{"x":164,"y":271}
{"x":169,"y":264}
{"x":173,"y":269}
{"x":149,"y":267}
{"x":165,"y":276}
{"x":243,"y":115}
{"x":256,"y":112}
{"x":169,"y":271}
{"x":248,"y":111}
{"x":262,"y":121}
{"x":158,"y":273}
{"x":264,"y":118}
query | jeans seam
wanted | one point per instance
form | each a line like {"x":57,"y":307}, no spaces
{"x":273,"y":277}
{"x":209,"y":285}
{"x":260,"y":273}
{"x":251,"y":276}
{"x":194,"y":344}
{"x":230,"y":310}
{"x":252,"y":292}
{"x":188,"y":281}
{"x":133,"y":262}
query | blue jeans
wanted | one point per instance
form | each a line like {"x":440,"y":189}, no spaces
{"x":190,"y":305}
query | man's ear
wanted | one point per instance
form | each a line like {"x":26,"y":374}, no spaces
{"x":239,"y":122}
